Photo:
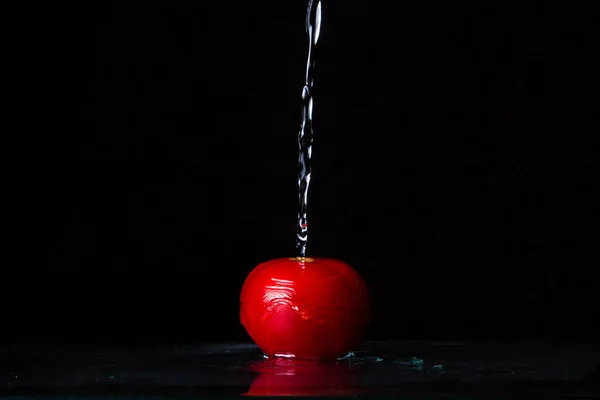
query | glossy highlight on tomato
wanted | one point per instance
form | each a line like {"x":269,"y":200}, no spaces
{"x":307,"y":308}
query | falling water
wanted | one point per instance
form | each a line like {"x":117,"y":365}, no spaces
{"x":305,"y":136}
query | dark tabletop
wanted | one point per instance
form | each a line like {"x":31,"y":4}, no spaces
{"x":414,"y":369}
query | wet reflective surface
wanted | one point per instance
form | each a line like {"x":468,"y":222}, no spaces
{"x":548,"y":370}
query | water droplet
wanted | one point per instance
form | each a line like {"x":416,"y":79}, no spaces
{"x":317,"y":23}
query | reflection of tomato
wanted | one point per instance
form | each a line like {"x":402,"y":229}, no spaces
{"x":284,"y":377}
{"x":309,"y":308}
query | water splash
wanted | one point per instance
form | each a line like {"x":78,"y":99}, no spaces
{"x":305,"y":135}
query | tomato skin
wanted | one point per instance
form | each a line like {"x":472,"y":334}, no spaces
{"x":307,"y":308}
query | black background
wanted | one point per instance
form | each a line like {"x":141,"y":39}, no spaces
{"x":454,"y":167}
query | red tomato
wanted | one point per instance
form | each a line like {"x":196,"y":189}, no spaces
{"x":307,"y":308}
